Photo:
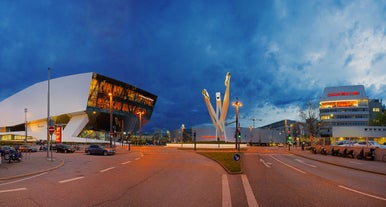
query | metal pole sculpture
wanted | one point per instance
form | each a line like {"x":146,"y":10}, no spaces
{"x":218,"y":117}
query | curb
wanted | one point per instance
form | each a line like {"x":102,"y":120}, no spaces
{"x":33,"y":173}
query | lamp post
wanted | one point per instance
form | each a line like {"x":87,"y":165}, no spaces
{"x":111,"y":119}
{"x":182,"y":134}
{"x":25,"y":118}
{"x":237,"y":104}
{"x":252,"y":127}
{"x":250,"y":135}
{"x":140,"y":113}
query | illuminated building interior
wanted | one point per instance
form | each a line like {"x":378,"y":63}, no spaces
{"x":343,"y":106}
{"x":80,"y":104}
{"x":127,"y":102}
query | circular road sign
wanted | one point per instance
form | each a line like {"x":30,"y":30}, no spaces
{"x":51,"y":129}
{"x":236,"y":157}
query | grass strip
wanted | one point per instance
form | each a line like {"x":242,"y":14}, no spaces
{"x":225,"y":159}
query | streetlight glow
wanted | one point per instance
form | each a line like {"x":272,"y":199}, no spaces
{"x":140,"y":113}
{"x":111,"y":118}
{"x":25,"y":117}
{"x":237,"y":104}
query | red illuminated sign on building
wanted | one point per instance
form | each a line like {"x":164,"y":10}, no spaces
{"x":354,"y":93}
{"x":58,"y":134}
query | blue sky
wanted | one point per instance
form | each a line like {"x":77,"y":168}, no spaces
{"x":281,"y":54}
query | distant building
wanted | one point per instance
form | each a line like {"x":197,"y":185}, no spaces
{"x":79,"y":108}
{"x":346,"y":112}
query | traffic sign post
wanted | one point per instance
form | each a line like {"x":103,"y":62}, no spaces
{"x":236,"y":157}
{"x":51,"y":130}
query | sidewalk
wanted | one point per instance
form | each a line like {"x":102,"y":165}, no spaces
{"x":32,"y":164}
{"x":376,"y":167}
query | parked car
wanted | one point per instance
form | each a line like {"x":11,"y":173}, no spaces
{"x":97,"y":149}
{"x":345,"y":143}
{"x":27,"y":148}
{"x":65,"y":148}
{"x":371,"y":144}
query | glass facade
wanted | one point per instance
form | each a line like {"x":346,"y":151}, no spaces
{"x":127,"y":102}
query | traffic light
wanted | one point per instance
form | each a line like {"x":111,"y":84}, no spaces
{"x":239,"y":135}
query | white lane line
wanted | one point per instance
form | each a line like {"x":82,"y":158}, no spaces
{"x":362,"y":193}
{"x":124,"y":163}
{"x":16,"y":181}
{"x":12,"y":190}
{"x":137,"y":158}
{"x":71,"y":179}
{"x":248,"y":192}
{"x":226,"y":193}
{"x":288,"y":165}
{"x":107,"y":169}
{"x":304,"y":163}
{"x":267,"y":164}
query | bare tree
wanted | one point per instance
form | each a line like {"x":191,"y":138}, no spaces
{"x":310,"y":115}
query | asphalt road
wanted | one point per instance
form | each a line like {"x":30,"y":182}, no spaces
{"x":289,"y":180}
{"x":153,"y":176}
{"x":148,"y":177}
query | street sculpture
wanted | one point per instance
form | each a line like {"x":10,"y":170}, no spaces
{"x":218,"y":117}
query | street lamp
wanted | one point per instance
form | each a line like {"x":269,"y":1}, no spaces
{"x":25,"y":118}
{"x":140,"y":113}
{"x":237,"y":104}
{"x":111,"y":119}
{"x":182,"y":134}
{"x":252,"y":127}
{"x":250,"y":135}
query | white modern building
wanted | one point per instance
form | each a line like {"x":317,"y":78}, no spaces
{"x":345,"y":113}
{"x":79,"y":105}
{"x":343,"y":106}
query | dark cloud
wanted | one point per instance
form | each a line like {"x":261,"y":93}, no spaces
{"x":280,"y":54}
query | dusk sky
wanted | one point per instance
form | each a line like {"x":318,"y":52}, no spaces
{"x":281,"y":54}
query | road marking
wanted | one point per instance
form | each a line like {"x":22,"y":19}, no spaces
{"x":124,"y":163}
{"x":137,"y":158}
{"x":12,"y":190}
{"x":107,"y":169}
{"x":71,"y":179}
{"x":362,"y":193}
{"x":16,"y":181}
{"x":226,"y":193}
{"x":267,"y":164}
{"x":304,"y":163}
{"x":248,"y":192}
{"x":290,"y":166}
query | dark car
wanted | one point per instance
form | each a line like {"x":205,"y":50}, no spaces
{"x":65,"y":148}
{"x":27,"y":148}
{"x":96,"y":149}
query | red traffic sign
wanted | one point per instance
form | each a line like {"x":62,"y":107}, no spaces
{"x":51,"y":129}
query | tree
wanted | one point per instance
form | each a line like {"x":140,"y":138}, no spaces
{"x":310,"y":115}
{"x":379,"y":120}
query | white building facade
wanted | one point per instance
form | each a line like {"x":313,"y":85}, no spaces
{"x":79,"y":104}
